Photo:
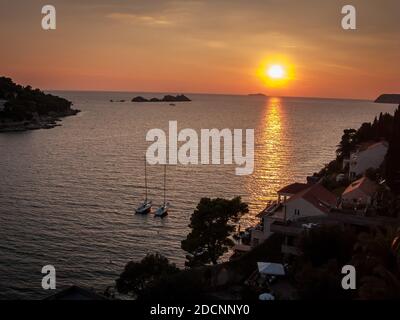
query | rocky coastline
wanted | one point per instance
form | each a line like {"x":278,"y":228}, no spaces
{"x":37,"y":122}
{"x":25,"y":108}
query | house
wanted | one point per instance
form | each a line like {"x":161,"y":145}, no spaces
{"x":367,"y":156}
{"x":299,"y":201}
{"x":360,"y":193}
{"x":309,"y":205}
{"x":314,"y":201}
{"x":274,"y":211}
{"x":286,"y":192}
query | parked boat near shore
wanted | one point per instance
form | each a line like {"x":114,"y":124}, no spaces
{"x":163,"y":210}
{"x":146,"y":206}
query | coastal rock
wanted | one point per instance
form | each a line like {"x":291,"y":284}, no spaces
{"x":181,"y":98}
{"x":139,"y":99}
{"x":167,"y":98}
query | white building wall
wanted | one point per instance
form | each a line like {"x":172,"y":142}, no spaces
{"x":305,"y":209}
{"x":267,"y":225}
{"x":370,"y":158}
{"x":356,"y":196}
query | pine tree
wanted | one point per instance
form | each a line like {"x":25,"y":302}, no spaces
{"x":393,"y":156}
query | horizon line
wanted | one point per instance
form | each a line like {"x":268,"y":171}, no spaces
{"x":208,"y":93}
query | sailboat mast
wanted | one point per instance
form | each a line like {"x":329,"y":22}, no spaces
{"x":145,"y":175}
{"x":165,"y":181}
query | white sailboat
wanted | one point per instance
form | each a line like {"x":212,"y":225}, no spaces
{"x":145,"y":207}
{"x":163,"y":210}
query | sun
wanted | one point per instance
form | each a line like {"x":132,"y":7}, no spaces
{"x":276,"y":71}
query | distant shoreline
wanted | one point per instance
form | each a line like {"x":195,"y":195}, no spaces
{"x":44,"y":122}
{"x":152,"y":93}
{"x":25,"y":108}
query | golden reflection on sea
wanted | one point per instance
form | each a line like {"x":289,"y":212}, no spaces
{"x":272,"y":165}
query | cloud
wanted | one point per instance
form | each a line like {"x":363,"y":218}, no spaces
{"x":135,"y":19}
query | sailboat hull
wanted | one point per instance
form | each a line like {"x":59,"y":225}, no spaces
{"x":145,"y":211}
{"x":144,"y":208}
{"x":162,"y":211}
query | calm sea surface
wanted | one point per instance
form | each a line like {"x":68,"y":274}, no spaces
{"x":67,"y":195}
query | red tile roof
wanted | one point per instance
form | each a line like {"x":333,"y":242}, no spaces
{"x":371,"y":144}
{"x":318,"y":196}
{"x":364,"y":184}
{"x":294,"y":188}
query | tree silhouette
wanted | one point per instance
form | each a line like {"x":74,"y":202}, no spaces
{"x":137,"y":276}
{"x":377,"y":260}
{"x":212,"y":223}
{"x":393,"y":155}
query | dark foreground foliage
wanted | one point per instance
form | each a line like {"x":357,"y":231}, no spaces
{"x":212,"y":224}
{"x":375,"y":254}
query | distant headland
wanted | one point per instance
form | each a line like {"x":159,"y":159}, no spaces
{"x":167,"y":98}
{"x":25,"y":108}
{"x":389,"y":98}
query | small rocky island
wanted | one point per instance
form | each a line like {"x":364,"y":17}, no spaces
{"x":256,"y":95}
{"x":24,"y":108}
{"x":167,"y":98}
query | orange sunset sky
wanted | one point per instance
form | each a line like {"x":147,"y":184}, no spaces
{"x":203,"y":46}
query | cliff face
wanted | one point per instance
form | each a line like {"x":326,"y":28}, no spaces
{"x":24,"y":108}
{"x":389,"y":98}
